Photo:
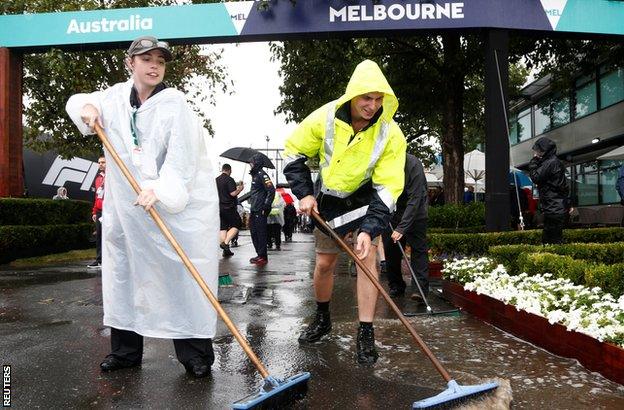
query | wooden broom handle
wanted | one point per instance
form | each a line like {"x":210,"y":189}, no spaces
{"x":385,"y":295}
{"x":185,"y":259}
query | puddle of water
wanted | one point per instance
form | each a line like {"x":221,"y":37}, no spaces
{"x":18,"y":279}
{"x":473,"y":352}
{"x":237,"y":294}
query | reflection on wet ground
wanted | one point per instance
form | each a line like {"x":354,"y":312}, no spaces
{"x":52,"y":336}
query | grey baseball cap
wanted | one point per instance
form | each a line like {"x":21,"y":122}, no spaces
{"x":144,"y":44}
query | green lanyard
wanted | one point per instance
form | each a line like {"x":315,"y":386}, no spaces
{"x":133,"y":128}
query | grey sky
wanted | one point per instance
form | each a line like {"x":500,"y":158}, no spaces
{"x":246,"y":117}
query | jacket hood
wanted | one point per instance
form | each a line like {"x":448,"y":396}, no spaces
{"x":366,"y":78}
{"x":545,"y":145}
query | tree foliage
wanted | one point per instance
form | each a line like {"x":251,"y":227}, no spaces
{"x":50,"y":78}
{"x":438,"y":80}
{"x":566,"y":58}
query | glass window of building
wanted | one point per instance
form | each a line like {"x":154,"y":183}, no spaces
{"x":568,"y":175}
{"x":524,"y":125}
{"x":560,"y":114}
{"x":608,"y":178}
{"x":611,"y":87}
{"x":542,"y":116}
{"x":513,"y":130}
{"x":586,"y":183}
{"x":585,"y":97}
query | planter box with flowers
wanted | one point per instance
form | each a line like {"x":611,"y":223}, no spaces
{"x":436,"y":264}
{"x":435,"y":269}
{"x":563,"y":318}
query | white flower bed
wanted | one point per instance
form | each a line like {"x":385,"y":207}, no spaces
{"x":578,"y":308}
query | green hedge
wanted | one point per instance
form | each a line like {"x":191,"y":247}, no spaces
{"x":607,"y":253}
{"x":469,"y":229}
{"x":470,"y":244}
{"x":26,"y":241}
{"x":561,"y":266}
{"x":610,"y":278}
{"x":18,"y":211}
{"x":457,"y":216}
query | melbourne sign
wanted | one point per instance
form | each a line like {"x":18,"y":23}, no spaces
{"x":395,"y":12}
{"x":243,"y":21}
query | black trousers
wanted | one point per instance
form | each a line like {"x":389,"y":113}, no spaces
{"x":258,"y":227}
{"x":416,"y":237}
{"x":128,"y":345}
{"x":288,"y":228}
{"x":98,"y":237}
{"x":553,"y":228}
{"x":274,"y":235}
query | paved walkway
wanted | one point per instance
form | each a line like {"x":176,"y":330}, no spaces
{"x":52,"y":335}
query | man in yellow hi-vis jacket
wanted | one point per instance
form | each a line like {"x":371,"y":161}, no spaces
{"x":361,"y":154}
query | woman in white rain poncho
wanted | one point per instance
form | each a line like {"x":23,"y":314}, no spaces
{"x":146,"y":288}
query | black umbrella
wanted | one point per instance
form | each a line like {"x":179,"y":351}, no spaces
{"x":243,"y":154}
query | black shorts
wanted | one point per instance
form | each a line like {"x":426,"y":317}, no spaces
{"x":229,"y":219}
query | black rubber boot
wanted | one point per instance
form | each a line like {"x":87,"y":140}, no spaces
{"x":226,"y":251}
{"x":320,"y":326}
{"x":366,"y":352}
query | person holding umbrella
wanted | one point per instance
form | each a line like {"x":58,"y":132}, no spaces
{"x":146,"y":289}
{"x":261,"y":197}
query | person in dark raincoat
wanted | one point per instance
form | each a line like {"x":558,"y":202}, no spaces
{"x":261,"y":199}
{"x":548,"y":173}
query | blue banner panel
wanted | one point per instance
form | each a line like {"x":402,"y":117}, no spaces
{"x":242,"y":21}
{"x":602,"y":17}
{"x":384,"y":15}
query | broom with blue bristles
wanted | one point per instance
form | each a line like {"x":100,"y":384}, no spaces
{"x":454,"y":393}
{"x":274,"y":392}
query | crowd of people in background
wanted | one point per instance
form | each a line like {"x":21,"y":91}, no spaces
{"x":284,"y":218}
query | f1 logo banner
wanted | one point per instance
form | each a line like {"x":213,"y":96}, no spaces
{"x":74,"y":170}
{"x":45,"y":173}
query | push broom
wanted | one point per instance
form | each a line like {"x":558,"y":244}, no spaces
{"x":454,"y":394}
{"x":274,"y":393}
{"x":430,"y":311}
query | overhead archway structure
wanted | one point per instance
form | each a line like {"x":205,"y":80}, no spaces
{"x":309,"y":19}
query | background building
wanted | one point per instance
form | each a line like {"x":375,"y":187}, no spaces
{"x":585,"y":120}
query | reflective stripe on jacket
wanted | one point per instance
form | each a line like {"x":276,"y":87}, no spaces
{"x":276,"y":216}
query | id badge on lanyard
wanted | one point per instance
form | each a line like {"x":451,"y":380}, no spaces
{"x":137,"y":151}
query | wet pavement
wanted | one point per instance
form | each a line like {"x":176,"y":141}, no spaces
{"x":52,"y":336}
